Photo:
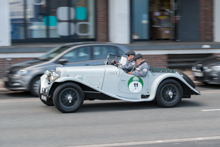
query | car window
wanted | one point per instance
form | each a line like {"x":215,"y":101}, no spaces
{"x":120,"y":53}
{"x":78,"y":54}
{"x":53,"y":53}
{"x":101,"y":52}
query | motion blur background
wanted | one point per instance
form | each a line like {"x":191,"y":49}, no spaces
{"x":169,"y":33}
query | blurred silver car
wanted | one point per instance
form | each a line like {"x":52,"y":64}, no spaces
{"x":25,"y":76}
{"x":207,"y":71}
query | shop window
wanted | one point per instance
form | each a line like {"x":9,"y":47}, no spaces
{"x":65,"y":19}
{"x":17,"y":19}
{"x":152,"y":19}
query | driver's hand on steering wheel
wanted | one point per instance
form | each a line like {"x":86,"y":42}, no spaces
{"x":129,"y":73}
{"x":114,"y":61}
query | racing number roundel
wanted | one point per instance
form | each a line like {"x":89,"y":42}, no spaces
{"x":135,"y":84}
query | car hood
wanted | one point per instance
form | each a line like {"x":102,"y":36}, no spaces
{"x":211,"y":61}
{"x":22,"y":65}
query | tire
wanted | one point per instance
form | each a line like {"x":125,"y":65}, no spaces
{"x":68,"y":97}
{"x":34,"y":86}
{"x":49,"y":102}
{"x":187,"y":79}
{"x":169,"y":93}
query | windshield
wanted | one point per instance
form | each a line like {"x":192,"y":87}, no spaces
{"x":53,"y":53}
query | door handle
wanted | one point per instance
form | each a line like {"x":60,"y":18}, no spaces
{"x":86,"y":64}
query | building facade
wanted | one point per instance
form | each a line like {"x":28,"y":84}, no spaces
{"x":123,"y":21}
{"x":117,"y":21}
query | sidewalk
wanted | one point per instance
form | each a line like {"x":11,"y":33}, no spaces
{"x":2,"y":85}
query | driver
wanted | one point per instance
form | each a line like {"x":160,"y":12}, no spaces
{"x":141,"y":69}
{"x":130,"y":62}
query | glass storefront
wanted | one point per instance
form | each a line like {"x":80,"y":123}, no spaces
{"x":153,"y":19}
{"x":52,"y":20}
{"x":17,"y":19}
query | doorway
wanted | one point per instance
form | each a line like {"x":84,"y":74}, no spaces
{"x":153,"y":20}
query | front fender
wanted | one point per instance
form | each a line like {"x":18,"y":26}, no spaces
{"x":162,"y":77}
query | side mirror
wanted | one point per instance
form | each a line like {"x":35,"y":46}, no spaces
{"x":62,"y":61}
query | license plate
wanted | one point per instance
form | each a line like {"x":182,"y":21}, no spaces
{"x":43,"y":97}
{"x":6,"y":79}
{"x":198,"y":74}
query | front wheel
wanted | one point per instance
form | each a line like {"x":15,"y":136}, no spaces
{"x":169,"y":93}
{"x":34,"y":86}
{"x":68,"y":97}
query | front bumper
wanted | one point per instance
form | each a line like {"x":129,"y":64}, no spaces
{"x":16,"y":83}
{"x":209,"y":77}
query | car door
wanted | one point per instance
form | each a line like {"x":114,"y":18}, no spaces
{"x":78,"y":57}
{"x":100,"y":52}
{"x":133,"y":84}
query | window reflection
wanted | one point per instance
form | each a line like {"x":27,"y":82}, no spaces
{"x":17,"y":19}
{"x":36,"y":17}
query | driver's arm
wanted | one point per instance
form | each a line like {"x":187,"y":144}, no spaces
{"x":129,"y":66}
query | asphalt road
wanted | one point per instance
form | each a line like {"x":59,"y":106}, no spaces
{"x":26,"y":121}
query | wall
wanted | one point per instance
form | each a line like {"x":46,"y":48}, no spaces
{"x":5,"y":39}
{"x":119,"y":21}
{"x":156,"y":60}
{"x":216,"y":21}
{"x":206,"y":19}
{"x":102,"y":20}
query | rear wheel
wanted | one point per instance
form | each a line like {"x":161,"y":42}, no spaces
{"x":68,"y":97}
{"x":169,"y":93}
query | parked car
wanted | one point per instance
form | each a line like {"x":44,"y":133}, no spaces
{"x":68,"y":87}
{"x":207,"y":71}
{"x":25,"y":76}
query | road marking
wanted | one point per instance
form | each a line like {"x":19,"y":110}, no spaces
{"x":151,"y":142}
{"x":18,"y":100}
{"x":210,"y":110}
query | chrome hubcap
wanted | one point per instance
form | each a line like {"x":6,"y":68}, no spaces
{"x":170,"y":94}
{"x":70,"y":98}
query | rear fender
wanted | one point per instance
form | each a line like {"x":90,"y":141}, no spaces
{"x":162,"y":77}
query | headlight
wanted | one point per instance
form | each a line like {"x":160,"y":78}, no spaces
{"x":216,"y":68}
{"x":54,"y":76}
{"x":21,"y":72}
{"x":47,"y":73}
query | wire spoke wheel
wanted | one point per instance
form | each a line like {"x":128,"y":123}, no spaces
{"x":69,"y":97}
{"x":169,"y":93}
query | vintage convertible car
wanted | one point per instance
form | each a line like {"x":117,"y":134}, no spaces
{"x":68,"y":87}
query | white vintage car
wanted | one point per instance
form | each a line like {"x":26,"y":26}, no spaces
{"x":68,"y":87}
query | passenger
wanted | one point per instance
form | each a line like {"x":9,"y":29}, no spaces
{"x":141,"y":69}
